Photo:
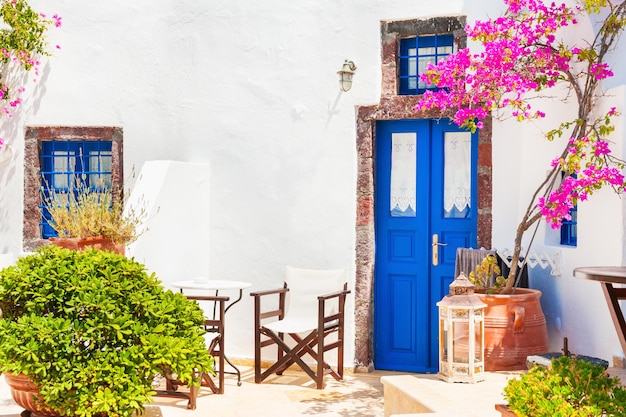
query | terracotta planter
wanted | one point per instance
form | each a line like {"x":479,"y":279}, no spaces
{"x":505,"y":411}
{"x":23,"y":391}
{"x":76,"y":243}
{"x":515,"y":328}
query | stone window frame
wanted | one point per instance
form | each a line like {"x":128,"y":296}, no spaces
{"x":33,"y":137}
{"x":395,"y":107}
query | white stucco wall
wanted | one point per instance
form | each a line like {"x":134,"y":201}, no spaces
{"x":250,"y":88}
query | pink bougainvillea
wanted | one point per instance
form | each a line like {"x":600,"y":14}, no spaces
{"x":21,"y":45}
{"x":521,"y":56}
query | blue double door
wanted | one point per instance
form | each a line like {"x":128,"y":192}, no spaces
{"x":425,"y":208}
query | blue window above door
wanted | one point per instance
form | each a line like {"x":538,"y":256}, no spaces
{"x":415,"y":55}
{"x":66,"y":167}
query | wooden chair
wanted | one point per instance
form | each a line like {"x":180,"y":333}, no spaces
{"x":215,"y":341}
{"x":310,"y":308}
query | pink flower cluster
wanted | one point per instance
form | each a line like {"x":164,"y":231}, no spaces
{"x":521,"y":55}
{"x":26,"y":58}
{"x":582,"y":181}
{"x":556,"y":207}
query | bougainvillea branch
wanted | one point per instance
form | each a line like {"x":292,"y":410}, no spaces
{"x":23,"y":41}
{"x":521,"y":56}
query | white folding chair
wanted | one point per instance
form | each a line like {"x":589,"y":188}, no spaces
{"x":310,"y":308}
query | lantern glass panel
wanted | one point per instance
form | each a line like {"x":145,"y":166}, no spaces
{"x":460,"y":344}
{"x":478,"y":351}
{"x":443,"y":337}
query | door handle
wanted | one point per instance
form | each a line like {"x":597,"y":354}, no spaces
{"x":436,"y":245}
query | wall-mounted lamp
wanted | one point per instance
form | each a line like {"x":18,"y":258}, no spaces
{"x":345,"y":75}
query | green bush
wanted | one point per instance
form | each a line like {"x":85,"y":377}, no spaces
{"x":93,"y":328}
{"x":570,"y":388}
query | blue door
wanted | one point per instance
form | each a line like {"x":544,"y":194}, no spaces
{"x":425,"y":208}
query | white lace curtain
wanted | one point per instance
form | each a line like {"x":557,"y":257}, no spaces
{"x":403,"y":174}
{"x":457,"y":171}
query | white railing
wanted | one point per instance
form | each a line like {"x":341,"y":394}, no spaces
{"x":542,"y":259}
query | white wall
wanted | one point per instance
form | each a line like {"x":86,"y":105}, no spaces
{"x":173,"y":200}
{"x":250,"y":88}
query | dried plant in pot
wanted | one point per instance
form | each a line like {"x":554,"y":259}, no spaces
{"x":92,"y":217}
{"x":92,"y":328}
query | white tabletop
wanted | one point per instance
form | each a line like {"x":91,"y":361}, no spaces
{"x":211,"y":284}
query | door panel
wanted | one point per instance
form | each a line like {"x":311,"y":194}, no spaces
{"x":425,"y":185}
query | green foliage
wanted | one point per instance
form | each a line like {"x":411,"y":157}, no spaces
{"x":570,"y":388}
{"x":487,"y":276}
{"x":93,"y":328}
{"x":25,"y":32}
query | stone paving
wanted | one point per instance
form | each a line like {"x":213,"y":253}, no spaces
{"x":289,"y":395}
{"x":293,"y":394}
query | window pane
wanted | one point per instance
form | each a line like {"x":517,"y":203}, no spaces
{"x":427,"y":51}
{"x":457,"y":174}
{"x":100,"y":169}
{"x":63,"y":167}
{"x":423,"y":64}
{"x":412,"y":68}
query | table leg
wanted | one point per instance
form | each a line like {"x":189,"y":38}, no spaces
{"x":613,"y":296}
{"x":237,"y":371}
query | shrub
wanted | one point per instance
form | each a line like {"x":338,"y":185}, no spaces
{"x":92,"y":329}
{"x":569,"y":388}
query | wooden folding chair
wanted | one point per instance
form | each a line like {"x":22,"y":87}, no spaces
{"x":310,"y":308}
{"x":215,"y":342}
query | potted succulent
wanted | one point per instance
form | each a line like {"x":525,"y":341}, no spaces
{"x":92,"y":217}
{"x":91,"y":329}
{"x":569,"y":387}
{"x":520,"y":57}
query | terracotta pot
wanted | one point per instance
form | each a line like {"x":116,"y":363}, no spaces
{"x":515,"y":328}
{"x":80,"y":243}
{"x":23,"y":391}
{"x":505,"y":411}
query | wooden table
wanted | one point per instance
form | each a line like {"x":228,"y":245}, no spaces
{"x":607,"y":276}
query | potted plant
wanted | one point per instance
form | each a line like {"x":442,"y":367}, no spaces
{"x":514,"y":325}
{"x":91,"y":329}
{"x":92,"y":216}
{"x":569,"y":387}
{"x":520,"y":57}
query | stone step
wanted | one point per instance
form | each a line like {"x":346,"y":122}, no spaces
{"x":406,"y":395}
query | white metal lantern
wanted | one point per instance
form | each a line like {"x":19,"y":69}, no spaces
{"x":345,"y":75}
{"x":461,"y":334}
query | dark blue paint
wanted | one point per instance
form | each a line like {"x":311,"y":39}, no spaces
{"x":406,"y":285}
